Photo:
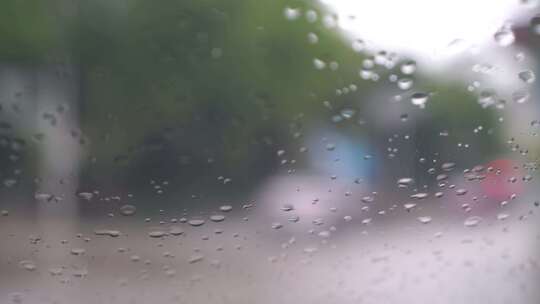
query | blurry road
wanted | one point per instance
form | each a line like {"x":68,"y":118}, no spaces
{"x":322,"y":258}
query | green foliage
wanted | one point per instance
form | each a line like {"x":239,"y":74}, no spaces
{"x":170,"y":82}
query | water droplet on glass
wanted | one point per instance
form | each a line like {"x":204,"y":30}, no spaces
{"x":409,"y":206}
{"x":217,"y":218}
{"x":291,"y":13}
{"x":472,"y":221}
{"x":448,"y":166}
{"x":128,"y":210}
{"x":287,"y":207}
{"x":324,"y":234}
{"x":408,"y":67}
{"x":405,"y":83}
{"x":28,"y":265}
{"x":276,"y":225}
{"x":461,"y":191}
{"x":78,"y":251}
{"x":419,"y":196}
{"x":368,"y":199}
{"x":527,"y":76}
{"x":405,"y":182}
{"x":504,"y":36}
{"x":43,"y":197}
{"x":502,"y":216}
{"x":85,"y":195}
{"x":520,"y":96}
{"x":424,"y":219}
{"x":312,"y":38}
{"x":419,"y":99}
{"x":176,"y":231}
{"x":347,"y":113}
{"x":225,"y":208}
{"x":311,"y":16}
{"x":157,"y":234}
{"x":294,"y":219}
{"x":196,"y":222}
{"x":111,"y":233}
{"x":319,"y":64}
{"x":195,"y":258}
{"x":487,"y":98}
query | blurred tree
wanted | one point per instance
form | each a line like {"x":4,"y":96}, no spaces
{"x":167,"y":85}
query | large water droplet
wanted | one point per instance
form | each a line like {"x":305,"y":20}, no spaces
{"x":502,"y":216}
{"x":448,"y":166}
{"x":319,"y":64}
{"x":419,"y":99}
{"x":527,"y":76}
{"x":312,"y":38}
{"x":291,"y":13}
{"x":520,"y":96}
{"x":217,"y":218}
{"x":408,"y":67}
{"x":461,"y":191}
{"x":405,"y":83}
{"x":504,"y":36}
{"x":196,"y":222}
{"x":157,"y":234}
{"x":176,"y":231}
{"x":311,"y":16}
{"x":419,"y":196}
{"x":409,"y":206}
{"x":487,"y":98}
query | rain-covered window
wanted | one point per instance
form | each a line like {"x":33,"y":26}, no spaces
{"x":269,"y":151}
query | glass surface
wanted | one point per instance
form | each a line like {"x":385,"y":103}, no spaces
{"x":269,"y":151}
